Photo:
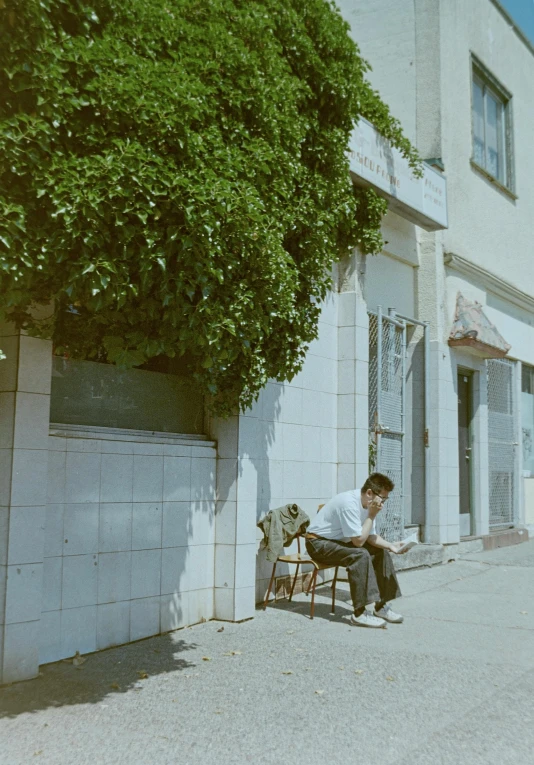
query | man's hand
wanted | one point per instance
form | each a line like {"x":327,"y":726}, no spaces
{"x":374,"y":507}
{"x":395,"y":548}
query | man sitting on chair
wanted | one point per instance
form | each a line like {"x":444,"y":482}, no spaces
{"x":343,"y":533}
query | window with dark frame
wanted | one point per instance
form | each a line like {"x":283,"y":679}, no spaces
{"x":492,"y":126}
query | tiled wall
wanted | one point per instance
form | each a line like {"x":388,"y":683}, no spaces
{"x":288,"y":440}
{"x":129,"y":540}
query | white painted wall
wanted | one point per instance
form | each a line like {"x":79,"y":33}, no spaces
{"x":129,"y":539}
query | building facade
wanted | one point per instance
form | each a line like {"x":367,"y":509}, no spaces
{"x":125,"y":511}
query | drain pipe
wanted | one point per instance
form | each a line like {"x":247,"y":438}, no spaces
{"x":426,"y":435}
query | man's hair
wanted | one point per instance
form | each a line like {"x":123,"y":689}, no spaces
{"x":378,"y":482}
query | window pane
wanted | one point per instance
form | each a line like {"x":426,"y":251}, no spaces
{"x":493,"y":136}
{"x":478,"y":124}
{"x":88,"y":393}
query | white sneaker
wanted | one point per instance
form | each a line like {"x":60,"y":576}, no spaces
{"x":387,"y":613}
{"x":367,"y":620}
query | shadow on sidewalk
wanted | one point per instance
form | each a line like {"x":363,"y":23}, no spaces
{"x":115,"y":670}
{"x":301,"y":605}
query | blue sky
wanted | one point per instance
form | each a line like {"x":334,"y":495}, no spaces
{"x":522,"y":12}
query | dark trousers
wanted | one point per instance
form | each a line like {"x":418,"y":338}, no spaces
{"x":372,"y":578}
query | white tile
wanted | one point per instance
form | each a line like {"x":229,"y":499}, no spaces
{"x":53,"y":533}
{"x":346,"y":376}
{"x":292,"y":442}
{"x":275,"y":441}
{"x":345,"y":445}
{"x":362,"y":343}
{"x":80,"y":529}
{"x":362,"y":412}
{"x":80,"y":581}
{"x":224,"y":604}
{"x":225,"y":523}
{"x":329,"y":309}
{"x":248,"y":480}
{"x":112,"y":625}
{"x":204,"y":452}
{"x":328,"y":410}
{"x":291,"y":403}
{"x":6,"y":457}
{"x":35,"y":365}
{"x":245,"y":605}
{"x":4,"y":537}
{"x":200,"y":567}
{"x":148,"y":448}
{"x":116,"y":478}
{"x":26,"y":535}
{"x":245,"y":565}
{"x":177,"y":528}
{"x":109,"y":446}
{"x":227,"y":470}
{"x":146,"y":573}
{"x":148,"y":478}
{"x":200,"y":605}
{"x":225,"y":566}
{"x":226,"y":434}
{"x":345,"y":477}
{"x":89,"y":445}
{"x":24,"y":588}
{"x":114,"y":573}
{"x":272,"y":401}
{"x":115,"y":527}
{"x":362,"y":317}
{"x":203,"y":523}
{"x":176,"y":479}
{"x":28,"y":483}
{"x":293,"y":483}
{"x":21,"y":651}
{"x":249,"y":437}
{"x":362,"y":378}
{"x":328,"y":444}
{"x":177,"y":450}
{"x":328,"y":479}
{"x":311,"y":407}
{"x":175,"y":611}
{"x":311,"y":479}
{"x":173,"y":567}
{"x":55,"y":485}
{"x":346,"y":415}
{"x":246,"y":529}
{"x":50,"y":637}
{"x":146,"y":525}
{"x":31,"y":421}
{"x":274,"y":480}
{"x":83,"y":477}
{"x":347,"y":309}
{"x":144,"y":618}
{"x":78,"y":630}
{"x":346,"y":343}
{"x":52,"y":583}
{"x":203,"y":474}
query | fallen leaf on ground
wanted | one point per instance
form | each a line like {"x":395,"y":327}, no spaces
{"x":218,"y":712}
{"x":341,"y":667}
{"x":359,"y":671}
{"x":319,"y":693}
{"x":39,"y":751}
{"x":143,"y":674}
{"x":156,"y":650}
{"x":288,"y":672}
{"x":523,"y":612}
{"x":206,"y":658}
{"x":115,"y":686}
{"x":78,"y":660}
{"x":290,"y":632}
{"x":232,"y":653}
{"x":390,"y":678}
{"x":221,"y":629}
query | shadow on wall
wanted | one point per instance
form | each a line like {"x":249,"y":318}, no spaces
{"x":119,"y":670}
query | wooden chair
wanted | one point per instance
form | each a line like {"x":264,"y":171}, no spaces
{"x":299,"y":559}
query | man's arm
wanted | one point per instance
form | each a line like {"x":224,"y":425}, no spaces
{"x":377,"y":541}
{"x":374,"y":508}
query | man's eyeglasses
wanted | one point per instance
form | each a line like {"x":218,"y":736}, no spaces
{"x":384,"y":499}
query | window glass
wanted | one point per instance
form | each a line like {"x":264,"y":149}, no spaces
{"x":478,"y":123}
{"x":490,"y":117}
{"x":91,"y":393}
{"x":527,"y":418}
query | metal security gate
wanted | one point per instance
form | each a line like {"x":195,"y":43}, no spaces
{"x":503,"y":454}
{"x":387,"y":375}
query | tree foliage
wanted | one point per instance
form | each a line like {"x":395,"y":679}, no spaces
{"x":174,"y":178}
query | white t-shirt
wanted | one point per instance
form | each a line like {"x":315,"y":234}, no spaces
{"x":341,"y":518}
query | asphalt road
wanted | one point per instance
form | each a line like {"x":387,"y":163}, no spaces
{"x":453,"y":685}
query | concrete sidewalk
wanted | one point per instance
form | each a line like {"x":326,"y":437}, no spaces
{"x":452,"y":685}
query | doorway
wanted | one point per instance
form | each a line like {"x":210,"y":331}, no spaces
{"x":465,"y":449}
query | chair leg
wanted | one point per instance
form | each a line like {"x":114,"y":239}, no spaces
{"x":334,"y":590}
{"x":294,"y":582}
{"x":270,"y":587}
{"x":313,"y":582}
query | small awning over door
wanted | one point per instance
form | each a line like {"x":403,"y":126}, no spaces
{"x":472,"y":329}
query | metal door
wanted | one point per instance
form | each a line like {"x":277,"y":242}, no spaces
{"x":503,"y":454}
{"x":465,"y":449}
{"x":387,"y":374}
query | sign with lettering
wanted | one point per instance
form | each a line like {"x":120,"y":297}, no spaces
{"x":374,"y":162}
